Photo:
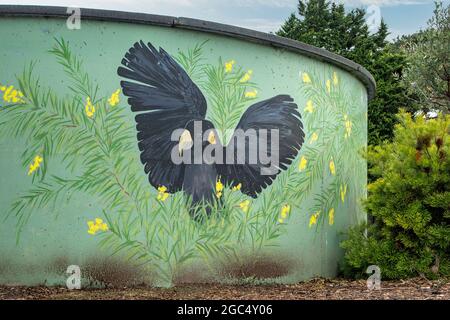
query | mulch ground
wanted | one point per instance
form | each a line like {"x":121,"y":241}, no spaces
{"x":318,"y":289}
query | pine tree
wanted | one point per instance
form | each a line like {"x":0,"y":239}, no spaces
{"x":289,"y":28}
{"x":410,"y":203}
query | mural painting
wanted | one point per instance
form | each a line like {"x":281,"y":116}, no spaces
{"x":164,"y":215}
{"x":175,"y":103}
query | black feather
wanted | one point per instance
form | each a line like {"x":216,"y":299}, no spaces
{"x":279,"y":113}
{"x":167,"y":100}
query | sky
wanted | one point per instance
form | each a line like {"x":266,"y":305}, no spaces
{"x":402,"y":16}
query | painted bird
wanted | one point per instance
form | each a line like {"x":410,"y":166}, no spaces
{"x":166,"y":99}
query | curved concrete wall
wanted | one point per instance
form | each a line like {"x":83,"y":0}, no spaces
{"x":73,"y":189}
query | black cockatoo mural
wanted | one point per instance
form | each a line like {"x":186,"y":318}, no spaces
{"x":166,"y":100}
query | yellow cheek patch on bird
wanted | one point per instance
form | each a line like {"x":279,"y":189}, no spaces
{"x":185,"y":142}
{"x":212,"y":137}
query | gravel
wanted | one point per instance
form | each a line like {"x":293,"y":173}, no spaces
{"x":317,"y":289}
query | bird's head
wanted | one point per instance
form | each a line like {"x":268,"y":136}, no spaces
{"x":199,"y":133}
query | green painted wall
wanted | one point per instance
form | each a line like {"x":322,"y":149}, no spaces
{"x":40,"y":241}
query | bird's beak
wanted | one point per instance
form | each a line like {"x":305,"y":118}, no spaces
{"x":212,"y":137}
{"x":185,"y":142}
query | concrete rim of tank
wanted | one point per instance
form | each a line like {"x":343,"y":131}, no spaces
{"x":203,"y":26}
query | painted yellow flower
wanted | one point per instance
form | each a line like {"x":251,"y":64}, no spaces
{"x":104,"y":227}
{"x":251,"y":94}
{"x":328,"y":85}
{"x":237,"y":187}
{"x":332,"y":167}
{"x":11,"y":95}
{"x":302,"y":164}
{"x":309,"y":106}
{"x":331,"y":217}
{"x":247,"y":76}
{"x":219,"y":189}
{"x":89,"y":108}
{"x":115,"y":98}
{"x":343,"y":191}
{"x":229,"y":66}
{"x":313,"y":219}
{"x":162,"y":193}
{"x":335,"y":79}
{"x":162,"y":196}
{"x":101,"y":225}
{"x":219,"y":185}
{"x":285,"y":210}
{"x":93,"y":228}
{"x":314,"y":138}
{"x":244,"y":205}
{"x":348,"y":126}
{"x":35,"y":165}
{"x":306,"y":78}
{"x":96,"y":225}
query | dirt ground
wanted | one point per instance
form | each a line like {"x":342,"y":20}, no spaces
{"x":318,"y":289}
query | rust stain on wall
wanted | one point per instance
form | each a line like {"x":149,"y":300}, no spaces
{"x":258,"y":267}
{"x":115,"y":273}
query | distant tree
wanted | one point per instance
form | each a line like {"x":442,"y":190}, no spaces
{"x":327,"y":25}
{"x":428,"y":72}
{"x":289,"y":27}
{"x":391,"y":95}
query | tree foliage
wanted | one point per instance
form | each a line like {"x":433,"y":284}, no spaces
{"x":410,"y":203}
{"x":327,"y":25}
{"x":428,"y":72}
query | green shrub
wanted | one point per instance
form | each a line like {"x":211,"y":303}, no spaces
{"x":409,"y":202}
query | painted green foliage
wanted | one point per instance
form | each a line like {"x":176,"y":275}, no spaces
{"x":92,"y":134}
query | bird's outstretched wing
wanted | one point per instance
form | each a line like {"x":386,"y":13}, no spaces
{"x":166,"y":99}
{"x":278,"y":113}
